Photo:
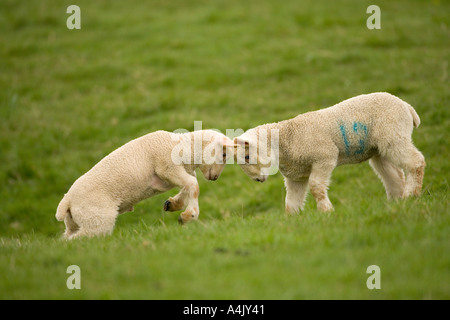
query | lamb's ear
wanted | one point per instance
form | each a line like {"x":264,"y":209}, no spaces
{"x":227,"y":145}
{"x":227,"y":142}
{"x":240,"y":142}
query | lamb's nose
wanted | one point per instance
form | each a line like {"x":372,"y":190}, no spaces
{"x":215,"y":177}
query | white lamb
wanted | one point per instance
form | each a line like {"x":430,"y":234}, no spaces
{"x":142,"y":168}
{"x":376,"y":126}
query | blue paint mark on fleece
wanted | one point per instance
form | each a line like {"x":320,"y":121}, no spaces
{"x":361,"y":130}
{"x":344,"y":137}
{"x":358,"y":126}
{"x":358,"y":134}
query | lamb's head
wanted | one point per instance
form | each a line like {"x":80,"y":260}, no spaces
{"x":216,"y":149}
{"x":254,"y":154}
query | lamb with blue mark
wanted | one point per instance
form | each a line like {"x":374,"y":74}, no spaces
{"x":375,"y":127}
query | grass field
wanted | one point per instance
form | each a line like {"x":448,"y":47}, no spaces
{"x":69,"y":97}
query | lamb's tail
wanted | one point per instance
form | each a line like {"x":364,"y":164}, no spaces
{"x":63,"y":208}
{"x":416,"y":119}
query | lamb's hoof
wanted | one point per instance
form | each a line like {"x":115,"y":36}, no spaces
{"x":325,"y":206}
{"x":185,"y":217}
{"x":167,"y":205}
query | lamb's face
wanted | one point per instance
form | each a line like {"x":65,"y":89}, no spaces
{"x":254,"y":163}
{"x":215,"y":155}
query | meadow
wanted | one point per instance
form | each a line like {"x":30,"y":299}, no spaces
{"x":69,"y":97}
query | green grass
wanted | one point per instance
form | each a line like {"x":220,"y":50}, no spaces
{"x":69,"y":97}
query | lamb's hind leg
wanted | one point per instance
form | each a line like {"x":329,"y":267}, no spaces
{"x":411,"y":160}
{"x":392,"y":177}
{"x":71,"y":226}
{"x":94,"y":222}
{"x":415,"y":169}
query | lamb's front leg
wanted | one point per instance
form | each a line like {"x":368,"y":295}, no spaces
{"x":318,"y":184}
{"x":177,"y":202}
{"x":191,"y":192}
{"x":188,"y":195}
{"x":295,"y":194}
